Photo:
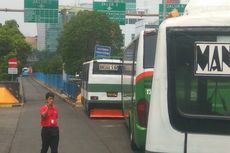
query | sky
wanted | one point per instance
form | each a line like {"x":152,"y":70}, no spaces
{"x":28,"y":29}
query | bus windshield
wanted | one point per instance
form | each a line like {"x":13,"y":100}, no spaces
{"x":106,"y":68}
{"x":198,"y":70}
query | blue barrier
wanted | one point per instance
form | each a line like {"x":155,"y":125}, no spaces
{"x":56,"y":81}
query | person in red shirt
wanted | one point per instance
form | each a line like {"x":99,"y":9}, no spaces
{"x":49,"y":123}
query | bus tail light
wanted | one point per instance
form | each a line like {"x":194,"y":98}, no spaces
{"x":93,"y":97}
{"x":142,"y":112}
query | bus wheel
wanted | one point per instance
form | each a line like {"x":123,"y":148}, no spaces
{"x":88,"y":108}
{"x":132,"y":139}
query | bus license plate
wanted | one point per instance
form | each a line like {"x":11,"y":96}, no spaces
{"x":111,"y":94}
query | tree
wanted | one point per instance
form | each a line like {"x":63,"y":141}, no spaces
{"x":49,"y":62}
{"x":82,"y":33}
{"x":12,"y":44}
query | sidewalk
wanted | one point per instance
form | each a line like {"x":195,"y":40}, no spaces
{"x":9,"y":118}
{"x":20,"y":126}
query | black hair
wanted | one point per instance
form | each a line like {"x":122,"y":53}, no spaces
{"x":49,"y":94}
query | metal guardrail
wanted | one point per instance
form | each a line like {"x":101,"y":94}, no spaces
{"x":70,"y":88}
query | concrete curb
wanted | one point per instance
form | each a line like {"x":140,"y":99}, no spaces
{"x":11,"y":105}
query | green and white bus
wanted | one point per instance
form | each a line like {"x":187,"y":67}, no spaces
{"x":137,"y":72}
{"x":190,"y":103}
{"x":101,"y":88}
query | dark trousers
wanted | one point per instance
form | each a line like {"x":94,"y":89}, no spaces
{"x":50,"y":138}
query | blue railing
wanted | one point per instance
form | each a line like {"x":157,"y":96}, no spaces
{"x":56,"y":81}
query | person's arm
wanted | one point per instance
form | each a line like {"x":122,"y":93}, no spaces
{"x":45,"y":113}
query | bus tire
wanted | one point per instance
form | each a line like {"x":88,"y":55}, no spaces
{"x":132,"y":138}
{"x":88,"y":108}
{"x":132,"y":142}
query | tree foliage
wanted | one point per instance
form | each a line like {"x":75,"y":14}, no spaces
{"x":49,"y":62}
{"x":82,"y":33}
{"x":12,"y":44}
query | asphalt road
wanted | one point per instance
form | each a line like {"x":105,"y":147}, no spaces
{"x":20,"y":127}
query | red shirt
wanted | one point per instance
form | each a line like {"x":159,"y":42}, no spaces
{"x":51,"y":119}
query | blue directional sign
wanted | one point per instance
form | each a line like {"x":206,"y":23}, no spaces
{"x":102,"y":51}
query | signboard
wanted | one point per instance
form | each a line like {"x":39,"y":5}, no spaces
{"x":109,"y":67}
{"x":41,"y":11}
{"x":115,"y":11}
{"x":12,"y":66}
{"x":102,"y":51}
{"x":12,"y":70}
{"x":212,"y":59}
{"x":172,"y":1}
{"x":12,"y":63}
{"x":184,"y":1}
{"x":169,"y":7}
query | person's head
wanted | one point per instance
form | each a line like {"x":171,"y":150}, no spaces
{"x":49,"y":98}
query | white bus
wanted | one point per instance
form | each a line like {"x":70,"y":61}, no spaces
{"x":190,"y":101}
{"x":101,"y":88}
{"x":137,"y":73}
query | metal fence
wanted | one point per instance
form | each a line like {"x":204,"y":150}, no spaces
{"x":68,"y":87}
